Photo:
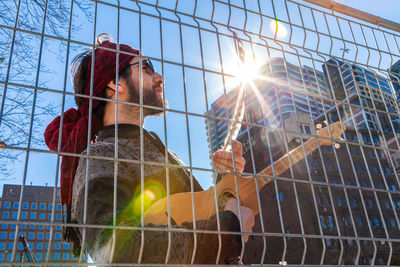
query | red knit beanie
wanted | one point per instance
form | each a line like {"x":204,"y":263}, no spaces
{"x":75,"y":128}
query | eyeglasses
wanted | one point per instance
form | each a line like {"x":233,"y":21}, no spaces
{"x":146,"y":62}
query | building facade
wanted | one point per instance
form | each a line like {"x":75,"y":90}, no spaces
{"x":394,"y":74}
{"x":37,"y":221}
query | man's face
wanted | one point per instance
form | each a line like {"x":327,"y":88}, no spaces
{"x":152,"y":84}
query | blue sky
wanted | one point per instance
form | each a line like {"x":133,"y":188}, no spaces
{"x":189,"y":81}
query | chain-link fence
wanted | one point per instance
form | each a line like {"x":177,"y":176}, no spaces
{"x":124,"y":144}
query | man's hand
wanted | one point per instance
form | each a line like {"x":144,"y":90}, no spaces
{"x":247,"y":216}
{"x":223,"y":159}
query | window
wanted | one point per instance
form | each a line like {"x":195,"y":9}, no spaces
{"x":15,"y":205}
{"x":39,"y":245}
{"x":33,"y":215}
{"x":14,"y":215}
{"x":32,"y":226}
{"x":38,"y":256}
{"x":58,"y":216}
{"x":307,"y":129}
{"x":65,"y":246}
{"x":25,"y":206}
{"x":41,"y":227}
{"x":3,"y":235}
{"x":4,"y":226}
{"x":10,"y":246}
{"x":39,"y":235}
{"x":59,"y":206}
{"x":58,"y":236}
{"x":12,"y":236}
{"x":5,"y":215}
{"x":23,"y":226}
{"x":31,"y":236}
{"x":339,"y":201}
{"x":42,"y":206}
{"x":24,"y":215}
{"x":50,"y":206}
{"x":42,"y":216}
{"x":2,"y":246}
{"x":56,"y":256}
{"x":13,"y":226}
{"x":7,"y":205}
{"x":393,"y":222}
{"x":65,"y":256}
{"x":34,"y":206}
{"x":376,"y":221}
{"x":57,"y":245}
{"x":49,"y":216}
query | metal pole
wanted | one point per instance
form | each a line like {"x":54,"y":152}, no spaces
{"x":355,"y":13}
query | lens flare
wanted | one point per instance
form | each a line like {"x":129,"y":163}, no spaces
{"x":278,"y":29}
{"x":153,"y":191}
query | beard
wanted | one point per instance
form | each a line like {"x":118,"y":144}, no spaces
{"x":150,"y":98}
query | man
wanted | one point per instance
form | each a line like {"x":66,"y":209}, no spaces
{"x":108,"y":185}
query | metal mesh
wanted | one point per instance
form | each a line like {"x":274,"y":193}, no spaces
{"x":333,"y":201}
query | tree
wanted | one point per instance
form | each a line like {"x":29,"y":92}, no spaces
{"x":18,"y":93}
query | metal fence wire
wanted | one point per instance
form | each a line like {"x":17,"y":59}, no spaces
{"x":312,"y":94}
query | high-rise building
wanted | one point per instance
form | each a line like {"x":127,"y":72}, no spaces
{"x":347,"y":195}
{"x":288,"y":89}
{"x":364,"y":98}
{"x":36,"y":216}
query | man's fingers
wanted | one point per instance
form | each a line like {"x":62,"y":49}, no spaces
{"x":237,"y":147}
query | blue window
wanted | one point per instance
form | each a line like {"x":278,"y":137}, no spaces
{"x":1,"y":257}
{"x":56,"y":256}
{"x":40,"y":227}
{"x":4,"y":226}
{"x":10,"y":246}
{"x":339,"y":201}
{"x":23,"y":226}
{"x":50,"y":206}
{"x":59,"y":206}
{"x":3,"y":235}
{"x":7,"y":205}
{"x":33,"y":215}
{"x":38,"y":256}
{"x":49,"y":216}
{"x":57,"y":245}
{"x":25,"y":206}
{"x":65,"y":256}
{"x":42,"y":216}
{"x":376,"y":221}
{"x":12,"y":236}
{"x":33,"y":206}
{"x":323,"y":224}
{"x":15,"y":205}
{"x":58,"y":216}
{"x":39,"y":245}
{"x":14,"y":215}
{"x":2,"y":246}
{"x":31,"y":236}
{"x":330,"y":221}
{"x":393,"y":222}
{"x":5,"y":215}
{"x":40,"y":235}
{"x":13,"y":226}
{"x":24,"y":215}
{"x":42,"y":206}
{"x":58,"y":236}
{"x":65,"y":246}
{"x":32,"y":226}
